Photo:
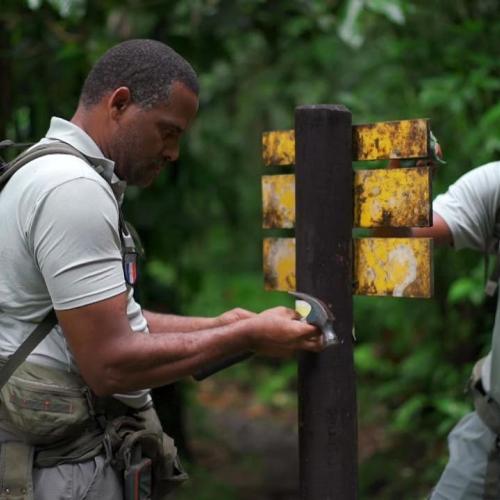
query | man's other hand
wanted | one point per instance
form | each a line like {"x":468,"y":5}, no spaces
{"x":233,"y":315}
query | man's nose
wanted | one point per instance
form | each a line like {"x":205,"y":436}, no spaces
{"x":171,"y":153}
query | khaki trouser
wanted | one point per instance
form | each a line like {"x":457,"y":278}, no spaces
{"x":91,"y":480}
{"x":463,"y":478}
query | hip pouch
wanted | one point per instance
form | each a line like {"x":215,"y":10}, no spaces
{"x":146,"y":455}
{"x":44,"y":405}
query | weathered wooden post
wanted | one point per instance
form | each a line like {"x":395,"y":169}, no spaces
{"x":323,"y":233}
{"x":323,"y":201}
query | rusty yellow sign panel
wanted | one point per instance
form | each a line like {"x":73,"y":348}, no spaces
{"x":396,"y":197}
{"x":278,"y":201}
{"x":279,"y":264}
{"x":398,"y":267}
{"x":279,"y":147}
{"x":387,"y":140}
{"x":371,"y":141}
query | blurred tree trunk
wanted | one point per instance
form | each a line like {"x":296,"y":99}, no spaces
{"x":5,"y":79}
{"x":170,"y":403}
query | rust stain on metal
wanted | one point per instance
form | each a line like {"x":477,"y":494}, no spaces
{"x":278,"y":201}
{"x":279,"y":264}
{"x":371,"y":141}
{"x":382,"y":198}
{"x":395,"y":139}
{"x":398,"y":267}
{"x":398,"y":197}
{"x":278,"y":147}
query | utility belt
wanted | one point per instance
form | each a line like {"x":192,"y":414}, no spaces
{"x":54,"y":418}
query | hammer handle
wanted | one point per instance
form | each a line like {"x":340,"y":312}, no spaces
{"x":210,"y":369}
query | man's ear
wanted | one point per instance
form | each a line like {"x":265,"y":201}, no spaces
{"x":119,"y":101}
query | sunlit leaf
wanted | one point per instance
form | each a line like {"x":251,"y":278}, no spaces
{"x":390,"y":8}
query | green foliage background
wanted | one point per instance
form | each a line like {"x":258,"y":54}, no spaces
{"x":257,"y":60}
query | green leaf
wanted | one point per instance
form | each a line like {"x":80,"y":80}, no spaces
{"x":451,"y":407}
{"x":407,"y":414}
{"x":468,"y":288}
{"x":369,"y":362}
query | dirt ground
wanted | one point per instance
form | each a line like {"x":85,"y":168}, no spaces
{"x":249,"y":446}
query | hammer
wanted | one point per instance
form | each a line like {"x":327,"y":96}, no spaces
{"x":312,"y":310}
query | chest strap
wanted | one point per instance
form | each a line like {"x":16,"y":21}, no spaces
{"x":24,"y":350}
{"x":16,"y":464}
{"x":43,"y":328}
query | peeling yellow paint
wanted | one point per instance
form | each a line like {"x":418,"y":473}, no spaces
{"x":397,"y":197}
{"x":398,"y":267}
{"x":371,"y":141}
{"x":278,"y":201}
{"x":382,"y":198}
{"x":279,"y":147}
{"x":401,"y":267}
{"x":396,"y":139}
{"x":279,"y":264}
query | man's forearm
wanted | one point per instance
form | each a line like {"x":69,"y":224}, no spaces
{"x":164,"y":323}
{"x":153,"y":360}
{"x":439,"y":232}
{"x":114,"y":359}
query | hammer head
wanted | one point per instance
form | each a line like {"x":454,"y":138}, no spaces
{"x":315,"y":312}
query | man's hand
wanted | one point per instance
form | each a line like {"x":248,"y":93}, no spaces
{"x":277,"y":332}
{"x":233,"y":315}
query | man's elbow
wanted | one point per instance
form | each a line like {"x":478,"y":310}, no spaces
{"x":106,"y":380}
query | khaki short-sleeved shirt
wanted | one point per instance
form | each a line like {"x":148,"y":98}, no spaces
{"x":469,"y":207}
{"x":60,"y":247}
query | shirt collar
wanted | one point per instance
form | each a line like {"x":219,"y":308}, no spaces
{"x":65,"y":131}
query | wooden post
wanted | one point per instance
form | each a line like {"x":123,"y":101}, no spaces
{"x":324,"y":219}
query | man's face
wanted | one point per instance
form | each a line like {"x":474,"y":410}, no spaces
{"x":146,"y":140}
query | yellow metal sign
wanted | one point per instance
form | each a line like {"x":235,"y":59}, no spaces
{"x":372,"y":141}
{"x":385,"y":140}
{"x":398,"y":267}
{"x":278,"y":201}
{"x":396,"y":197}
{"x":279,"y":147}
{"x":279,"y":264}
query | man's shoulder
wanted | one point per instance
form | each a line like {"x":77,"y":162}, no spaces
{"x":484,"y":177}
{"x":492,"y":167}
{"x":59,"y":168}
{"x":48,"y":172}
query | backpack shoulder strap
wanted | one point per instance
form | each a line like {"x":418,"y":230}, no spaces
{"x":37,"y":152}
{"x":24,"y":350}
{"x":43,"y":328}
